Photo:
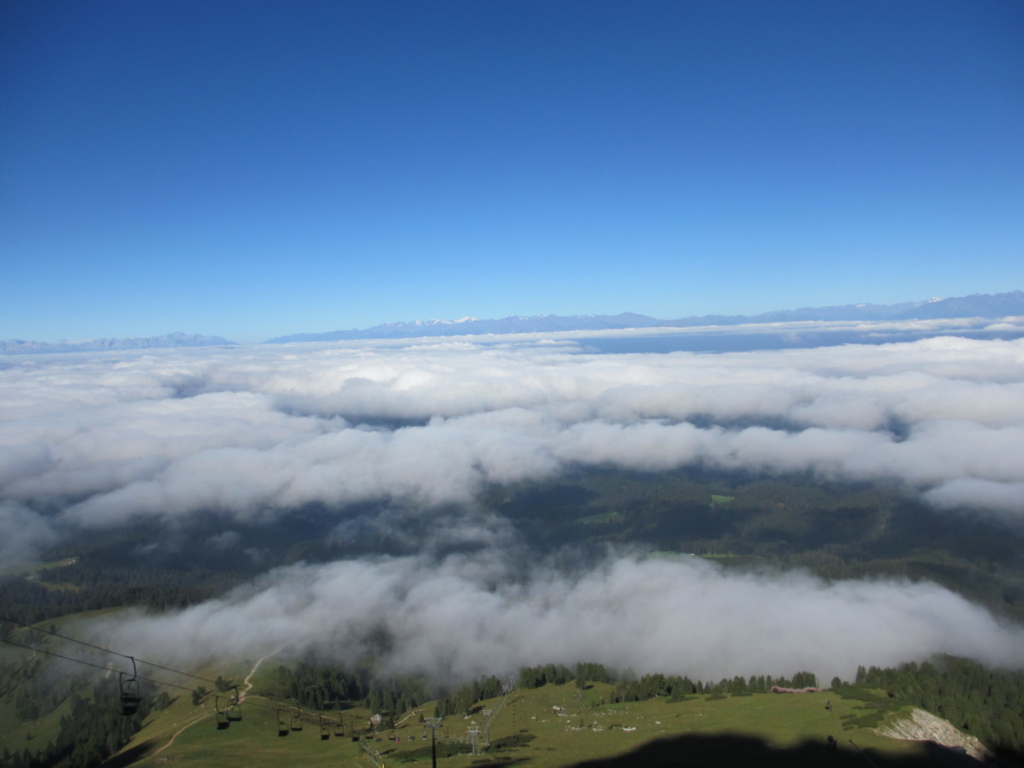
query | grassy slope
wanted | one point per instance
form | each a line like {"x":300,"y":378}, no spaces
{"x":582,"y":732}
{"x":34,"y":735}
{"x":14,"y":734}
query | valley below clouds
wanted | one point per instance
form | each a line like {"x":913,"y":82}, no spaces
{"x":92,"y":442}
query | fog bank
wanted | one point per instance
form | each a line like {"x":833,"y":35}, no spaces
{"x":469,"y":616}
{"x":92,"y":441}
{"x":99,"y":440}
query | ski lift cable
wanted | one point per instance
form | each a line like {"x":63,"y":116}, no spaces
{"x":131,"y":658}
{"x":107,"y":650}
{"x":139,"y":677}
{"x":91,"y":664}
{"x":300,"y":715}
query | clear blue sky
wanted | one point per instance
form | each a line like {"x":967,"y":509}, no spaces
{"x":252,"y":169}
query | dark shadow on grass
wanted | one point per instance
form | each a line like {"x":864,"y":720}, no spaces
{"x":729,"y":751}
{"x":131,"y":756}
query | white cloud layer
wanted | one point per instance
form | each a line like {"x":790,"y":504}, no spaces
{"x":100,"y":440}
{"x":470,"y":616}
{"x":246,"y":431}
{"x":23,"y":533}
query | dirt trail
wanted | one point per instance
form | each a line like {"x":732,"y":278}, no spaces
{"x":178,"y":733}
{"x":247,"y":683}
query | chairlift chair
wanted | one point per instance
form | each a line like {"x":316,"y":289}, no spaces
{"x":297,"y":720}
{"x":131,"y":694}
{"x":325,"y":731}
{"x":220,"y":714}
{"x":282,"y":725}
{"x":339,"y":728}
{"x":234,"y":708}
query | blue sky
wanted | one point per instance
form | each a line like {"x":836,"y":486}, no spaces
{"x":252,"y":169}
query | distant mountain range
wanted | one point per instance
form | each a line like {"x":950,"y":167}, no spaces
{"x":979,"y":305}
{"x":18,"y":347}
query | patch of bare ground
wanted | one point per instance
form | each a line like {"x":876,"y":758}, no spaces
{"x":924,"y":726}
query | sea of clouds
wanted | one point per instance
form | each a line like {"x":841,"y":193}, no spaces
{"x":102,"y":440}
{"x":467,"y":616}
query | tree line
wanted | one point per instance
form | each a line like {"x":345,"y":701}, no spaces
{"x":328,"y":687}
{"x":627,"y":686}
{"x":982,"y":702}
{"x":89,"y":587}
{"x":987,"y":704}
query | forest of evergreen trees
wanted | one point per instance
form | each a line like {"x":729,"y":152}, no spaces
{"x":326,"y":687}
{"x":987,"y":704}
{"x":93,"y":731}
{"x":92,"y":586}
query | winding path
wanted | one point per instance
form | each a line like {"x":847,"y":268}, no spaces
{"x":241,"y":697}
{"x":178,"y":733}
{"x":248,"y":678}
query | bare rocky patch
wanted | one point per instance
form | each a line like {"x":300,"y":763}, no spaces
{"x":924,"y":726}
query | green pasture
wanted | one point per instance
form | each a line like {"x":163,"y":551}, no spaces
{"x":783,"y":729}
{"x":548,"y":727}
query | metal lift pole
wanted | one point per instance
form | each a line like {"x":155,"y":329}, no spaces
{"x":433,"y":723}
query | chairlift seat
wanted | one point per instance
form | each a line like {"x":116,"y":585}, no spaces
{"x":129,"y":707}
{"x":131,"y":695}
{"x":282,"y":726}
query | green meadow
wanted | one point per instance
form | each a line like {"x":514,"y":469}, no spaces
{"x":546,"y":727}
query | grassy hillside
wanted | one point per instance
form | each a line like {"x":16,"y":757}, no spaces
{"x":545,"y":727}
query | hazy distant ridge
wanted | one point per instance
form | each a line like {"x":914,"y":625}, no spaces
{"x":977,"y":305}
{"x":19,"y":347}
